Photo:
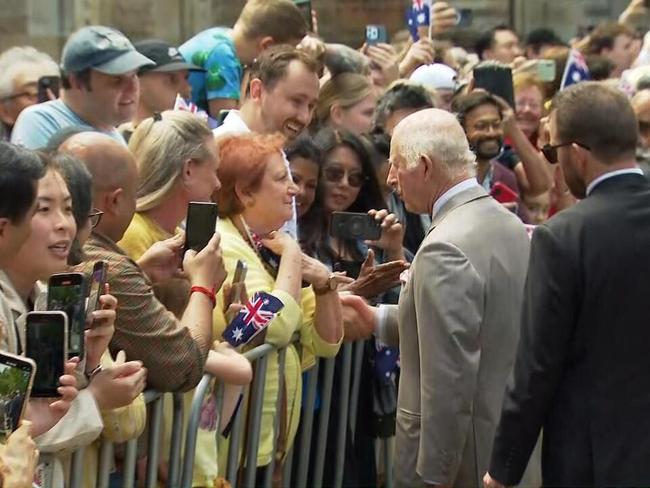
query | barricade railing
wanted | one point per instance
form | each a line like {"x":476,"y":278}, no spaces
{"x":310,"y":461}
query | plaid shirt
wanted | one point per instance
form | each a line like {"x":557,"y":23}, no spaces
{"x":173,"y":355}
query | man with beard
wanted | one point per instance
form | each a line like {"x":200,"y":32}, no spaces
{"x":481,"y":116}
{"x":281,"y":97}
{"x":580,"y":368}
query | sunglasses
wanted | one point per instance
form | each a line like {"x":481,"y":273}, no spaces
{"x":550,"y":152}
{"x":335,"y":175}
{"x":95,"y":216}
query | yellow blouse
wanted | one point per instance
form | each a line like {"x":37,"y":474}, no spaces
{"x":141,"y":234}
{"x":294,"y":317}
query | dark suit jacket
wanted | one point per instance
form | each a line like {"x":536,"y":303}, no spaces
{"x":583,"y":367}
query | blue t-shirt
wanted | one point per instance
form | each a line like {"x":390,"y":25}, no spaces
{"x":214,"y":51}
{"x":37,"y":124}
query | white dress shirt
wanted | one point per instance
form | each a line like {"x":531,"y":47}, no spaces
{"x":612,"y":174}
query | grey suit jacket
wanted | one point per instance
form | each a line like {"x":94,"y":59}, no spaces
{"x":458,"y":322}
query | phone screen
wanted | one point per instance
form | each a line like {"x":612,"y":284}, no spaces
{"x":15,"y":380}
{"x":46,"y":345}
{"x":71,"y":299}
{"x":97,"y":282}
{"x":357,"y":226}
{"x":376,"y":34}
{"x":201,"y":224}
{"x":46,"y":83}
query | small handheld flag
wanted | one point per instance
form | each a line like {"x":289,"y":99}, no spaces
{"x":185,"y":106}
{"x":576,"y":70}
{"x":256,"y":315}
{"x":418,"y":15}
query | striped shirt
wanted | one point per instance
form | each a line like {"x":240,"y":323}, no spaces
{"x":173,"y":354}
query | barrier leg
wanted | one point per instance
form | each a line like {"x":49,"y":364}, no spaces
{"x":356,"y":383}
{"x":154,"y":443}
{"x":389,"y":445}
{"x":130,"y":461}
{"x":268,"y":475}
{"x":324,"y":422}
{"x":235,"y":439}
{"x":311,"y":385}
{"x":105,"y":464}
{"x":173,"y":474}
{"x":257,"y":401}
{"x":192,"y":429}
{"x":77,"y":468}
{"x":344,"y":399}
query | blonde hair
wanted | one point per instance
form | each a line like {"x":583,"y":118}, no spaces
{"x":161,"y":145}
{"x":346,"y":89}
{"x":279,"y":19}
{"x":525,"y":80}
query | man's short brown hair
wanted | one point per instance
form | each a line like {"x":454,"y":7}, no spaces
{"x":279,"y":19}
{"x":604,"y":36}
{"x":273,"y":63}
{"x":599,"y":117}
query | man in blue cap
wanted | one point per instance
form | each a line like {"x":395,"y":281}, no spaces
{"x":100,"y":88}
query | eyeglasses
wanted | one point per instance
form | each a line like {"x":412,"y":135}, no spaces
{"x":335,"y":175}
{"x":31,"y":95}
{"x":550,"y":152}
{"x":95,"y":216}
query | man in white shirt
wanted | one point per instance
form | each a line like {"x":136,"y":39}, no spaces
{"x":281,"y":96}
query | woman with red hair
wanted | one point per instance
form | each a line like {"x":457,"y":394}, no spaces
{"x":255,"y":200}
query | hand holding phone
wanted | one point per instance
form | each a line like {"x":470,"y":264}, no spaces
{"x":206,"y":268}
{"x":47,"y":345}
{"x":200,"y":224}
{"x":354,"y":226}
{"x":16,"y":379}
{"x":67,"y":292}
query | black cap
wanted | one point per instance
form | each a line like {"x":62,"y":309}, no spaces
{"x":166,"y":57}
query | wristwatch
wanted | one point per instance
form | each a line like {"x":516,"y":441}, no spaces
{"x":330,"y":285}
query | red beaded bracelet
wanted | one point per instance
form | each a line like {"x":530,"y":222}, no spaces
{"x":207,"y":292}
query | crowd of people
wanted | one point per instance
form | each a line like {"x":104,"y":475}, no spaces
{"x":517,"y":355}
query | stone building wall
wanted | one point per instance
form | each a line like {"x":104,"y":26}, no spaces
{"x":46,"y":23}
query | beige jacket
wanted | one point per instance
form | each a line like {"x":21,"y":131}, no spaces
{"x":458,"y":324}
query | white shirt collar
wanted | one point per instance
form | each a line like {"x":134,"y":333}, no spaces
{"x":452,"y":192}
{"x":612,"y":174}
{"x":232,"y":124}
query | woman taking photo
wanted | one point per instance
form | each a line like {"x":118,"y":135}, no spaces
{"x":177,"y":164}
{"x":255,"y":201}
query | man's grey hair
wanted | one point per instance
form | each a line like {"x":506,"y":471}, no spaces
{"x":17,"y":59}
{"x":438,"y":135}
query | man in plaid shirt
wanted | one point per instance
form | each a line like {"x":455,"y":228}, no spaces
{"x":173,"y":351}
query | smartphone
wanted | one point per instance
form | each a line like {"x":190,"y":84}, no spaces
{"x":495,"y":78}
{"x":503,"y":193}
{"x":200,"y":225}
{"x":46,"y":83}
{"x":305,"y":8}
{"x":222,"y":116}
{"x":352,"y":225}
{"x":240,"y":277}
{"x":546,"y":70}
{"x":376,"y":34}
{"x":46,"y":342}
{"x":464,"y":17}
{"x":67,"y":292}
{"x":97,"y":286}
{"x":16,"y":378}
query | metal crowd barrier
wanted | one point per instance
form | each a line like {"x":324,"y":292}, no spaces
{"x":180,"y":471}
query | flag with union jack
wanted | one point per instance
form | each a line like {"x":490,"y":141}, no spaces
{"x":576,"y":70}
{"x":418,"y":15}
{"x":256,"y":315}
{"x":185,"y":106}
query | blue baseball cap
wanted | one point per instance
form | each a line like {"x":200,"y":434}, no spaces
{"x":103,"y":49}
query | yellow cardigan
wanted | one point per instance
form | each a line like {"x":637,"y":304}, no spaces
{"x":292,"y":318}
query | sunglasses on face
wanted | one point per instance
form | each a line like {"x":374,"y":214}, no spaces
{"x":95,"y":216}
{"x":550,"y":152}
{"x":335,"y":175}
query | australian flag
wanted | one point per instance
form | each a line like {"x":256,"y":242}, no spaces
{"x":417,"y":16}
{"x":256,"y":315}
{"x":576,"y":70}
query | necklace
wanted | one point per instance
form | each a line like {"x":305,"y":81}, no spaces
{"x":269,"y":259}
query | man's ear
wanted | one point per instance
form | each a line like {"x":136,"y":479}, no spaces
{"x":256,"y":88}
{"x":110,"y":201}
{"x":580,"y":156}
{"x":264,"y":43}
{"x":427,"y":166}
{"x":4,"y":225}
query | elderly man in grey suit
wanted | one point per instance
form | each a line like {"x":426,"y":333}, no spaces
{"x":458,"y":313}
